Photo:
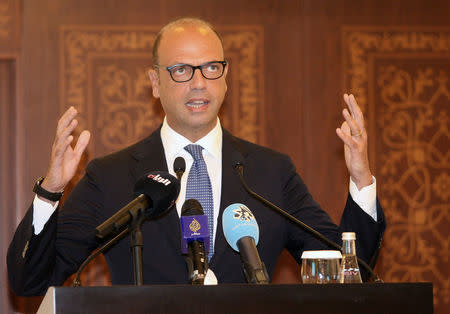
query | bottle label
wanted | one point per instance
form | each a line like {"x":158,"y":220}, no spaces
{"x":350,"y":272}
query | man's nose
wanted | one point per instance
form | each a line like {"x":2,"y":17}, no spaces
{"x":198,"y":81}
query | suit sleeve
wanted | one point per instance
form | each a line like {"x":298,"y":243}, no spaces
{"x":36,"y":262}
{"x":30,"y":256}
{"x":369,"y":232}
{"x":299,"y":202}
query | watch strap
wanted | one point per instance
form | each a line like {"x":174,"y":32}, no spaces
{"x":39,"y":190}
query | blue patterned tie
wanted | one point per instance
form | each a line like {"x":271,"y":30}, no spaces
{"x":199,"y":188}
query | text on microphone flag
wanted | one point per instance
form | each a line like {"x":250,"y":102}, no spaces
{"x":158,"y":178}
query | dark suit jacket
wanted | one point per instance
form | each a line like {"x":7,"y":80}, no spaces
{"x":37,"y":261}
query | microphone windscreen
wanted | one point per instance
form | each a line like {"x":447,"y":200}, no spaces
{"x":191,"y":207}
{"x":194,"y":225}
{"x":161,"y":188}
{"x":238,"y":222}
{"x":179,"y":164}
{"x":237,"y":159}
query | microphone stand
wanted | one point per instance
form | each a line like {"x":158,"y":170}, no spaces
{"x":240,"y":170}
{"x":136,"y":244}
{"x":104,"y":247}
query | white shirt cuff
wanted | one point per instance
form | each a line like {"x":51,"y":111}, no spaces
{"x":366,"y":198}
{"x":41,"y":213}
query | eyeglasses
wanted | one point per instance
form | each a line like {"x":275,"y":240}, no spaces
{"x":185,"y":72}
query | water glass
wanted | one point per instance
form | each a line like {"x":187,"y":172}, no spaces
{"x":321,"y":267}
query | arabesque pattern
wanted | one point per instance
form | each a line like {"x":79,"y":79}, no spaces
{"x":104,"y":74}
{"x":401,"y":78}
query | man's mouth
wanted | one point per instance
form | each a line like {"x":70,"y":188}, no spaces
{"x":196,"y":104}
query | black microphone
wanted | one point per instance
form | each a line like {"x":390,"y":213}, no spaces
{"x":238,"y":165}
{"x":194,"y":231}
{"x":179,"y":166}
{"x":242,"y":233}
{"x":156,"y":193}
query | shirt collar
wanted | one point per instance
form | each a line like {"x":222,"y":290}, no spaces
{"x":174,"y":142}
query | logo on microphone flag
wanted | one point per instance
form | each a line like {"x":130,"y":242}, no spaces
{"x":194,"y":226}
{"x":243,"y":213}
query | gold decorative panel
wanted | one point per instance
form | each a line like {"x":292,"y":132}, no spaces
{"x":6,"y":18}
{"x":10,"y":26}
{"x":401,"y":77}
{"x":104,"y":74}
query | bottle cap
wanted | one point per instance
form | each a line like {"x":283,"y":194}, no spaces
{"x":348,"y":236}
{"x":323,"y":254}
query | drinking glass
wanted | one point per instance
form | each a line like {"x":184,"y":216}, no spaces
{"x":321,"y":267}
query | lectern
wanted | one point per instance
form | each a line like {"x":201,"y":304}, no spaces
{"x":333,"y":298}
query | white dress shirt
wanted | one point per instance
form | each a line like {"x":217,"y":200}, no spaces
{"x":174,"y":144}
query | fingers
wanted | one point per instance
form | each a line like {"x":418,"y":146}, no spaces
{"x":63,"y":139}
{"x":64,"y":160}
{"x":66,"y":124}
{"x":354,"y":117}
{"x":82,"y":143}
{"x":354,"y":129}
{"x":344,"y":134}
{"x":355,"y":110}
{"x":68,"y":130}
{"x":60,"y":146}
{"x":66,"y":119}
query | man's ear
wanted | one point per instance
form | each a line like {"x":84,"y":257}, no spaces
{"x":225,"y":76}
{"x":154,"y":79}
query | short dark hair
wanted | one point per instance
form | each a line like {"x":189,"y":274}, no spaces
{"x":193,"y":21}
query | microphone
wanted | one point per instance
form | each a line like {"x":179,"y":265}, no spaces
{"x":238,"y":165}
{"x":179,"y":166}
{"x":242,"y":234}
{"x":195,"y":234}
{"x":156,"y":193}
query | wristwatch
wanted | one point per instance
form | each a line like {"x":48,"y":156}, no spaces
{"x":39,"y":190}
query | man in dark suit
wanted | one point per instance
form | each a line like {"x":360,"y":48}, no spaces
{"x":189,"y":78}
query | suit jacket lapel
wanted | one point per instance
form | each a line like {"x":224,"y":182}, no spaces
{"x":232,"y":191}
{"x":149,"y":155}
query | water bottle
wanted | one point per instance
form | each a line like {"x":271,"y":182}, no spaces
{"x":349,"y":266}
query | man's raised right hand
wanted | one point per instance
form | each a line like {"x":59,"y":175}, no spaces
{"x":64,"y":159}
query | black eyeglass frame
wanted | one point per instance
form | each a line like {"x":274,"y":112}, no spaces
{"x":195,"y":67}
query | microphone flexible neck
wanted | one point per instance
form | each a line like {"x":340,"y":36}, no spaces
{"x":104,"y":247}
{"x":240,"y":170}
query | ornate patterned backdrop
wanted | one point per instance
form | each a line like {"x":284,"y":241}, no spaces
{"x":10,"y":19}
{"x":104,"y":73}
{"x":401,"y":78}
{"x":6,"y":19}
